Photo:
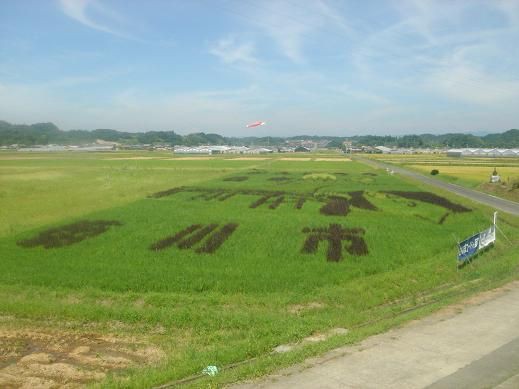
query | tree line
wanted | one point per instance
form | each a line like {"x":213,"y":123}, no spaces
{"x":49,"y":133}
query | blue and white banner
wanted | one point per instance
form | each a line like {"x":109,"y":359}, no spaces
{"x":487,"y":237}
{"x":468,"y":248}
{"x":472,"y":245}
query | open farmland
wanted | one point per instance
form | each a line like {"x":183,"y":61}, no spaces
{"x":472,"y":172}
{"x":139,"y":269}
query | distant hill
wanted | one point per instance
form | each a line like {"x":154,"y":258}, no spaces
{"x":48,"y":133}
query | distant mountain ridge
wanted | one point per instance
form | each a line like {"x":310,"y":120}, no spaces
{"x":49,"y":133}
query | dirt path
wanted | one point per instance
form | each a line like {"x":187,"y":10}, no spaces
{"x":35,"y":358}
{"x":474,"y":344}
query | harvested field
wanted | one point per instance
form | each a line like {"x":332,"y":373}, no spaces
{"x":131,"y":158}
{"x":69,"y":234}
{"x":247,"y":159}
{"x":295,"y":159}
{"x":48,"y":359}
{"x":335,"y":234}
{"x":191,"y":158}
{"x":236,"y":178}
{"x":358,"y":200}
{"x":218,"y":238}
{"x":332,"y":159}
{"x":336,"y":206}
{"x":431,"y":198}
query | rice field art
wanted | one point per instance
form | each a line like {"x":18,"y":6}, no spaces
{"x":218,"y":262}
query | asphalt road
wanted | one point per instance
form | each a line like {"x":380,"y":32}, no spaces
{"x":492,"y":201}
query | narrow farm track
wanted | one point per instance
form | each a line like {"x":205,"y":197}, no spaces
{"x":507,"y":206}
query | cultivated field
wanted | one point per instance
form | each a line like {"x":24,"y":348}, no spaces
{"x":136,"y":269}
{"x":472,"y":172}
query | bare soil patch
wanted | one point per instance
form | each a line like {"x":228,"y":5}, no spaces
{"x":47,"y":359}
{"x":431,"y":198}
{"x":300,"y":308}
{"x":69,"y":234}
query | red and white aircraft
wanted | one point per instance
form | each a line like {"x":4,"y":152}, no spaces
{"x":256,"y":124}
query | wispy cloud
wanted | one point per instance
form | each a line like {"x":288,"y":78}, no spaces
{"x":292,"y":25}
{"x":232,"y":52}
{"x":80,"y":11}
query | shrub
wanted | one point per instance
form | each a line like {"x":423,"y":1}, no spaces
{"x":435,"y":172}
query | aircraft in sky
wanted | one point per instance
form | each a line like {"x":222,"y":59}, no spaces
{"x":256,"y":124}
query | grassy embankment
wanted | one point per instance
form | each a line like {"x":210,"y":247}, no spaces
{"x":259,"y":288}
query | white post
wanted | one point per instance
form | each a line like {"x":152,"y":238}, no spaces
{"x":495,"y":217}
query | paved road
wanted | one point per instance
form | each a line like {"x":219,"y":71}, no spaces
{"x":474,"y":344}
{"x":492,"y":201}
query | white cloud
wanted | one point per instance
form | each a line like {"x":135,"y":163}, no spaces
{"x":231,"y":52}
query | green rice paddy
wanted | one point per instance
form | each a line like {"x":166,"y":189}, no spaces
{"x":206,"y":258}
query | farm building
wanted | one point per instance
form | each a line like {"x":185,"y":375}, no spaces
{"x":494,"y":153}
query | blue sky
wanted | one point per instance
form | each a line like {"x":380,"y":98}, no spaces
{"x":304,"y":66}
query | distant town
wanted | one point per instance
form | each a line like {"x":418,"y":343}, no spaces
{"x":46,"y":137}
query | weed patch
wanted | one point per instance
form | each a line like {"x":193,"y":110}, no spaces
{"x":69,"y":234}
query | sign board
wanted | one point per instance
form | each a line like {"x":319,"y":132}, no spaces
{"x":487,"y":237}
{"x":468,"y":247}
